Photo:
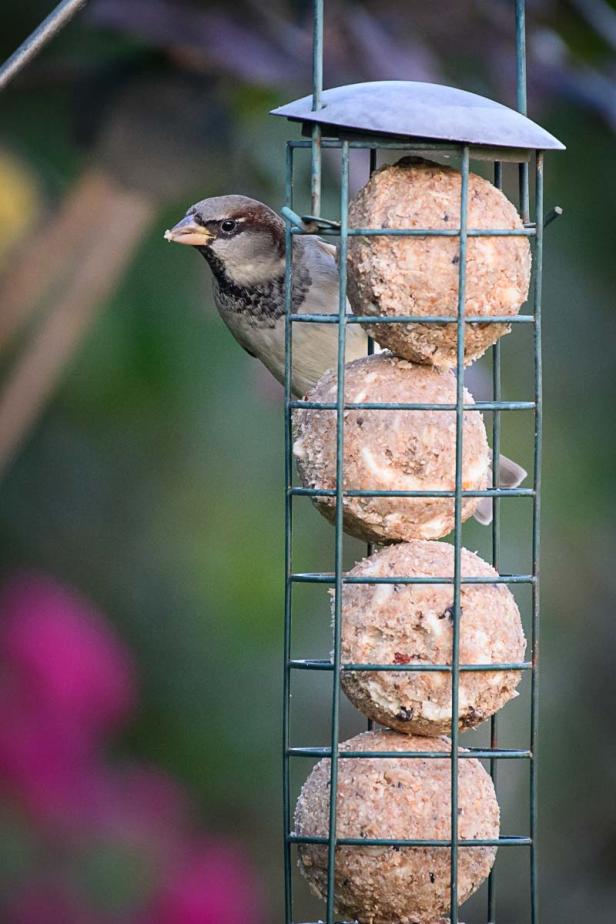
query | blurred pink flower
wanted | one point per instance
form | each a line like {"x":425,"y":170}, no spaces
{"x":212,"y":884}
{"x":42,"y":763}
{"x":143,"y":806}
{"x":66,"y":681}
{"x":62,"y":654}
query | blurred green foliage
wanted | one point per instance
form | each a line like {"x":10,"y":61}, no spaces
{"x":153,"y":482}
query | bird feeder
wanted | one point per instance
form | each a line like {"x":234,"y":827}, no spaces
{"x":359,"y":854}
{"x":446,"y":125}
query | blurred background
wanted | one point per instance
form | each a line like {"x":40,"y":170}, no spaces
{"x":141,"y":459}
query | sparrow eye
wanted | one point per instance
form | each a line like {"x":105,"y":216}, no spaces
{"x":228,"y":226}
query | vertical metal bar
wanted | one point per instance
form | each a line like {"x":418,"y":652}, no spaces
{"x":496,"y":525}
{"x":534,"y":898}
{"x":520,"y":47}
{"x":521,"y":101}
{"x":373,"y":160}
{"x":457,"y":586}
{"x":370,"y":545}
{"x":496,"y":420}
{"x":373,"y":165}
{"x":344,"y":201}
{"x":317,"y":54}
{"x":315,"y":172}
{"x":288,"y":545}
{"x":317,"y":89}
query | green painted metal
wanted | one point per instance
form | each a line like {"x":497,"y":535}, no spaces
{"x":373,"y":163}
{"x":462,"y":155}
{"x":388,"y":406}
{"x":458,"y":497}
{"x":419,"y":668}
{"x":478,"y":753}
{"x":296,"y":224}
{"x":367,"y":492}
{"x":512,"y":841}
{"x":288,"y":546}
{"x":411,"y":319}
{"x":534,"y":720}
{"x":321,"y":577}
{"x":521,"y":101}
{"x":317,"y":89}
{"x":421,"y":232}
{"x":339,"y":572}
{"x":477,"y":152}
{"x":496,"y":543}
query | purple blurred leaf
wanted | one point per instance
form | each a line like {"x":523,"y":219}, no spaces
{"x":386,"y":58}
{"x":266,"y":46}
{"x":212,"y":37}
{"x":212,"y":884}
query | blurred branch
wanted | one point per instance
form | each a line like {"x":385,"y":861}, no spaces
{"x":35,"y":42}
{"x":48,"y":253}
{"x":121,"y":221}
{"x":386,"y":57}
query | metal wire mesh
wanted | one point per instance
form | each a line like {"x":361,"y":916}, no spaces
{"x":337,"y":578}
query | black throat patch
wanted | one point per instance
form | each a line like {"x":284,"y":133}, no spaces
{"x":262,"y":304}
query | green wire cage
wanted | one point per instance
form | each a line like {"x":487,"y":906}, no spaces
{"x":506,"y":137}
{"x":331,"y":121}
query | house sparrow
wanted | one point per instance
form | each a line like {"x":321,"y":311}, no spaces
{"x":243,"y":241}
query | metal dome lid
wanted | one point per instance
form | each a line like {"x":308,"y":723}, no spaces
{"x":409,"y":109}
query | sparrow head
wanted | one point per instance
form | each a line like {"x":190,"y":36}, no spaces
{"x":241,"y":238}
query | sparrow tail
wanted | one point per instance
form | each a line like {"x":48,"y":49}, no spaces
{"x":510,"y":475}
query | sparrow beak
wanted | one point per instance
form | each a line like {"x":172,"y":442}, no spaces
{"x":187,"y":231}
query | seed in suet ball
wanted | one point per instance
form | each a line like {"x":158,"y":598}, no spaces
{"x":397,"y":798}
{"x":413,"y":624}
{"x":396,"y":275}
{"x":412,"y":450}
